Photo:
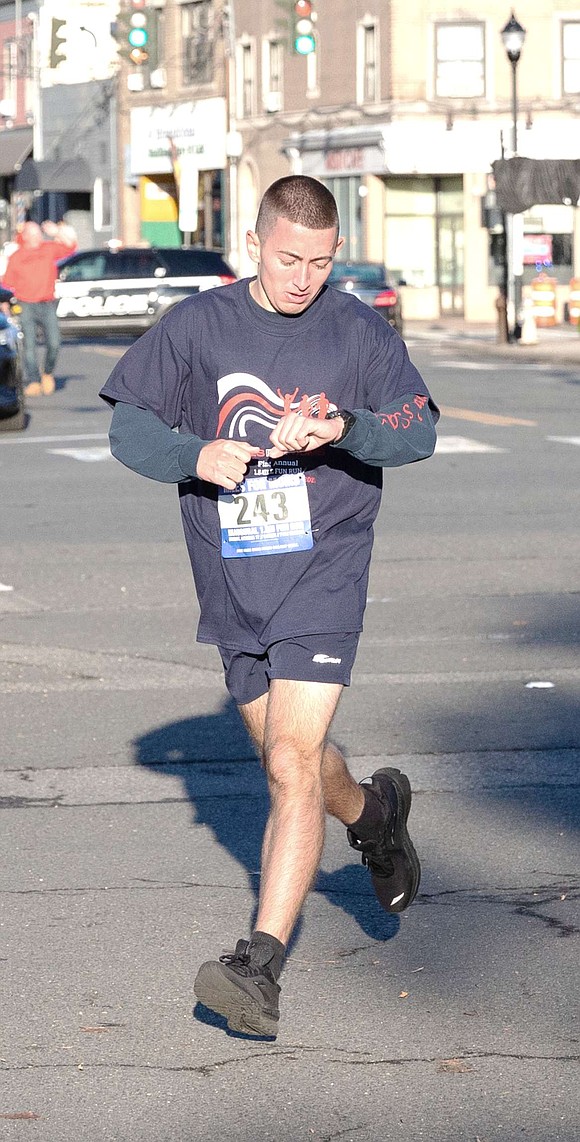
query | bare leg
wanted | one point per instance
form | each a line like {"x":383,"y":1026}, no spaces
{"x":343,"y":796}
{"x":292,"y":723}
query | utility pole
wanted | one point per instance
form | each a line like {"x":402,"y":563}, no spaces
{"x":37,"y":125}
{"x":233,"y":137}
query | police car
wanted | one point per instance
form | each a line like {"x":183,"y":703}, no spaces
{"x":125,"y":291}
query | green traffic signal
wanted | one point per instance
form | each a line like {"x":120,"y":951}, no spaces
{"x":304,"y":17}
{"x":304,"y":45}
{"x":138,"y":37}
{"x":138,"y":34}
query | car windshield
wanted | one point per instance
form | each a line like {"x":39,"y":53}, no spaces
{"x":368,"y":274}
{"x":189,"y":263}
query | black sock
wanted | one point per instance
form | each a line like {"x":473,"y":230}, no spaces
{"x":266,"y":950}
{"x":371,"y":818}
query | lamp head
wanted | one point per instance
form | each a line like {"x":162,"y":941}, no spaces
{"x":513,"y":36}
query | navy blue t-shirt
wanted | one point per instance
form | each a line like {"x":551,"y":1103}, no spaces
{"x":219,"y":365}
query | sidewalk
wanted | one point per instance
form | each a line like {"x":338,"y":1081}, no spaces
{"x":561,"y":343}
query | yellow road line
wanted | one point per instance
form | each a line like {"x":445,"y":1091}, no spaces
{"x":485,"y":417}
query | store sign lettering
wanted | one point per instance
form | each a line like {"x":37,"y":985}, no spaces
{"x":347,"y":160}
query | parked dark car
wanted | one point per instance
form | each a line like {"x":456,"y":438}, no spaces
{"x":126,"y":290}
{"x":12,"y":410}
{"x":369,"y":282}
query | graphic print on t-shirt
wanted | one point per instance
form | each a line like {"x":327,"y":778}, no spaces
{"x":245,"y":401}
{"x":269,"y":513}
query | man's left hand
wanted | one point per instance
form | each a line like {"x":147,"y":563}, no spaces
{"x":295,"y":433}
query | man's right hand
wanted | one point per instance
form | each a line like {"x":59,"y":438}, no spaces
{"x":224,"y":462}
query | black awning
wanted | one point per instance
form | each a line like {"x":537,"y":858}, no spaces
{"x":521,"y":183}
{"x":15,"y":146}
{"x":66,"y":175}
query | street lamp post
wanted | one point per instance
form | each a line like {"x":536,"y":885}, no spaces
{"x":513,"y":36}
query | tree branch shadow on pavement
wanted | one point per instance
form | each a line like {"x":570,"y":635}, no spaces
{"x":214,"y":759}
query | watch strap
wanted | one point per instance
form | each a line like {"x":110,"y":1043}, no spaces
{"x":347,"y":417}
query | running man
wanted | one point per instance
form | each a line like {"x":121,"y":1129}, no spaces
{"x":289,"y":397}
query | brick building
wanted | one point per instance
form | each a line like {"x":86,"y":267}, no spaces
{"x":401,"y":110}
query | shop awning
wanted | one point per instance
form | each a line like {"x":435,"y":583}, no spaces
{"x":15,"y":146}
{"x":521,"y":183}
{"x":66,"y":175}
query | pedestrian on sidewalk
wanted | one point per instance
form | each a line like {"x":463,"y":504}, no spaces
{"x":31,"y":274}
{"x":290,"y":397}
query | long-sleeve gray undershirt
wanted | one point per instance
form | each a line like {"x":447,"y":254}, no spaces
{"x":401,"y":434}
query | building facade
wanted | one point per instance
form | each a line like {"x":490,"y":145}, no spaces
{"x":58,"y":115}
{"x":401,"y":109}
{"x":173,"y":124}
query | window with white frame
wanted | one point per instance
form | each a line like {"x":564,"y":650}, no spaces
{"x":272,"y":73}
{"x":197,"y":41}
{"x":30,"y":82}
{"x":367,"y":71}
{"x":460,"y":60}
{"x":312,"y":84}
{"x":246,"y":80}
{"x":157,"y":47}
{"x":9,"y":70}
{"x":571,"y":57}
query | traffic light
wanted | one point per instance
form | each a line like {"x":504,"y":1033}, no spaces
{"x":57,"y":42}
{"x":138,"y":32}
{"x":304,"y":19}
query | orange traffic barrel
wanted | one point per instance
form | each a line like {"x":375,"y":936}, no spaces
{"x":544,"y":298}
{"x":574,"y":302}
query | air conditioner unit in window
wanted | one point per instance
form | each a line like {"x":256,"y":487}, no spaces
{"x":273,"y":101}
{"x":135,"y":81}
{"x":158,"y":77}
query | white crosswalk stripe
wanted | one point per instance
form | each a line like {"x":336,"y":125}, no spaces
{"x":447,"y":444}
{"x":89,"y":455}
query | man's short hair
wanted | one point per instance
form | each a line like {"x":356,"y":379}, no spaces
{"x":302,"y":200}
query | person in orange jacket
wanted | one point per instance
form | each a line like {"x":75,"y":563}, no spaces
{"x":31,"y":274}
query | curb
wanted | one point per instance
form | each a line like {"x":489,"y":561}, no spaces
{"x":558,"y":349}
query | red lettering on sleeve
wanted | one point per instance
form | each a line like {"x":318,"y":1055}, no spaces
{"x":405,"y":417}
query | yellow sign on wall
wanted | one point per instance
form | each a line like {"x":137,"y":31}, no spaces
{"x":158,"y":199}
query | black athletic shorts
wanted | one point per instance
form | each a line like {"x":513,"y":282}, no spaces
{"x":305,"y":658}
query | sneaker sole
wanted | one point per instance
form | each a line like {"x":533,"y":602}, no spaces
{"x":213,"y":988}
{"x":402,"y":841}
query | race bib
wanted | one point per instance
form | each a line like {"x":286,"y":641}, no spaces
{"x":268,"y":514}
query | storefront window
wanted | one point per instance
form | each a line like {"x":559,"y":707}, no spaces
{"x":424,"y":236}
{"x":410,"y":243}
{"x":349,"y":202}
{"x":548,"y":245}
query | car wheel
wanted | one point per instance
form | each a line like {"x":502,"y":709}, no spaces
{"x":14,"y":423}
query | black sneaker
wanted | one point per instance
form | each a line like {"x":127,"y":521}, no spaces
{"x":242,"y":989}
{"x":390,"y":856}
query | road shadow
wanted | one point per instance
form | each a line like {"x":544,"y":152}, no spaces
{"x":215,"y":760}
{"x":226,"y":786}
{"x":62,"y":380}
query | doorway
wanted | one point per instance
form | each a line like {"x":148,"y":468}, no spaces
{"x":450,"y":247}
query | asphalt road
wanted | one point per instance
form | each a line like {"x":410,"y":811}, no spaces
{"x":134,"y":806}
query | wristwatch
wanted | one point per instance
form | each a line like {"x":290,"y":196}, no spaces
{"x":348,"y":417}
